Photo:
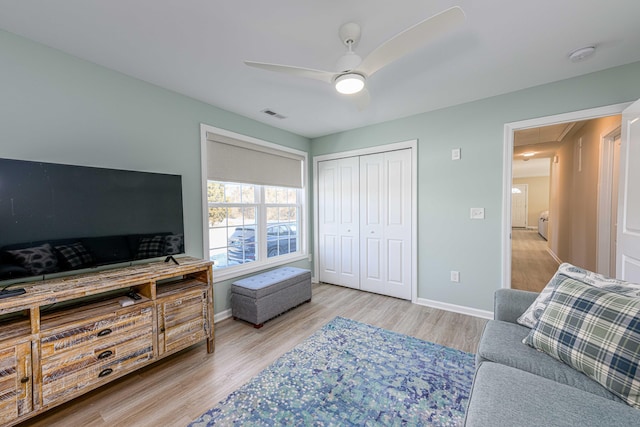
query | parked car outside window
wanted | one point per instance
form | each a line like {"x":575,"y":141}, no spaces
{"x":281,"y":239}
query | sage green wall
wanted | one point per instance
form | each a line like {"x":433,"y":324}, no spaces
{"x":447,"y":238}
{"x":57,"y":108}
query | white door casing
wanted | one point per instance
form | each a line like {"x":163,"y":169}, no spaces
{"x":613,"y":241}
{"x":338,"y":218}
{"x":608,"y":173}
{"x":628,"y":250}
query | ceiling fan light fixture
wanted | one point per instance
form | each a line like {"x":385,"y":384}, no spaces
{"x":349,"y":84}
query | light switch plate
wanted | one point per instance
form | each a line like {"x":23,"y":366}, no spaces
{"x":455,"y":154}
{"x":455,"y":276}
{"x":477,"y":213}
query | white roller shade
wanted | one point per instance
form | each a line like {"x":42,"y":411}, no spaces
{"x":232,"y":160}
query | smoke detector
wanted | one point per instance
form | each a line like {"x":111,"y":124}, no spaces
{"x":582,"y":53}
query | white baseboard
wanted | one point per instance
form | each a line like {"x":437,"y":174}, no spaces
{"x":484,"y":314}
{"x":554,"y":256}
{"x":219,"y":317}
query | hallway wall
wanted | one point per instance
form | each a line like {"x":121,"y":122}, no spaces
{"x":574,"y":194}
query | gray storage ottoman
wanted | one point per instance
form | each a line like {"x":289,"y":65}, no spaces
{"x":259,"y":298}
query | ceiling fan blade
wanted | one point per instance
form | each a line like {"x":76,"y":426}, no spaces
{"x":362,"y":99}
{"x":411,"y":39}
{"x":325,"y":76}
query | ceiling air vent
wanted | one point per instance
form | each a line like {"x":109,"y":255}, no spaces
{"x":273,"y":114}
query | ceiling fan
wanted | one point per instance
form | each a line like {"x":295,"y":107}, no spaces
{"x":352,"y":71}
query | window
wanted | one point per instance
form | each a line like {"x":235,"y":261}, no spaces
{"x":251,"y":223}
{"x":254,"y":195}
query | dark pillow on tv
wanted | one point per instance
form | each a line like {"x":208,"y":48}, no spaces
{"x":150,"y":247}
{"x":37,"y":260}
{"x":12,"y":271}
{"x":108,"y":249}
{"x":173,"y":244}
{"x":74,"y":255}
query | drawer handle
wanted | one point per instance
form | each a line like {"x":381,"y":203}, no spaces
{"x":162,"y":329}
{"x":24,"y":380}
{"x":104,"y":332}
{"x":105,"y":354}
{"x":105,"y":372}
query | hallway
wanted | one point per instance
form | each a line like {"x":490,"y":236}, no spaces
{"x":531,"y":264}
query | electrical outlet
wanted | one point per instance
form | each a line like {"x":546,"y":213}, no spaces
{"x":477,"y":213}
{"x":455,"y":154}
{"x":455,"y":276}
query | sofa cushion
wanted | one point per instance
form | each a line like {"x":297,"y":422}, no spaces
{"x":596,"y":332}
{"x":532,"y":314}
{"x":502,"y":343}
{"x":505,"y":396}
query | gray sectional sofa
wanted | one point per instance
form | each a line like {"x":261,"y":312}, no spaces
{"x":516,"y":385}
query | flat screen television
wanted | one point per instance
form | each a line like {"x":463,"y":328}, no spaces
{"x":56,"y":218}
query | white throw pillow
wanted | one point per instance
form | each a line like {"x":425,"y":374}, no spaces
{"x":530,"y":317}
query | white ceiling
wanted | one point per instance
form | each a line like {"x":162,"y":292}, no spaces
{"x":197,"y":48}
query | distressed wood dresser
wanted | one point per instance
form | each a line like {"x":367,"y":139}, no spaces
{"x":67,"y":336}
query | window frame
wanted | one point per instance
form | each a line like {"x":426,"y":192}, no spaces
{"x":302,"y":203}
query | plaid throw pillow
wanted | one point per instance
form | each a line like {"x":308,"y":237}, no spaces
{"x":150,"y":247}
{"x":532,"y":314}
{"x":75,"y":255}
{"x":596,"y":332}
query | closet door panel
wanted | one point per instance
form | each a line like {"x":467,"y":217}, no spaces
{"x":385,"y":223}
{"x":397,"y":226}
{"x":338,"y":217}
{"x":372,"y":203}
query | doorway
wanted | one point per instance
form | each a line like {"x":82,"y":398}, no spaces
{"x":576,"y":158}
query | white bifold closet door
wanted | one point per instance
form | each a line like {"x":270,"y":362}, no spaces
{"x":365,"y":208}
{"x":338,"y":216}
{"x":385,"y":223}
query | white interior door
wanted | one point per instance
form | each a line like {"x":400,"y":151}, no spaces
{"x":628,"y":251}
{"x":338,"y":216}
{"x":519,"y":198}
{"x":385,"y":223}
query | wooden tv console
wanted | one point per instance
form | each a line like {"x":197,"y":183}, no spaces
{"x":67,"y":336}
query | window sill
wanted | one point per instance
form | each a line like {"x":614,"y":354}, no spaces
{"x":234,"y":272}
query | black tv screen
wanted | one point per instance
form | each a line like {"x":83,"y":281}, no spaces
{"x":56,"y":218}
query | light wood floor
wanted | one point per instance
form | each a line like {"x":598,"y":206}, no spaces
{"x":176,"y":390}
{"x":531,"y":264}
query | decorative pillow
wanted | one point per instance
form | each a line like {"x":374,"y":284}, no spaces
{"x":37,"y":260}
{"x":596,"y":332}
{"x":75,"y":255}
{"x":150,"y":247}
{"x":173,"y":244}
{"x":532,"y":314}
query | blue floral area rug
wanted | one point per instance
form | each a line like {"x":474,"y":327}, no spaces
{"x":352,"y":374}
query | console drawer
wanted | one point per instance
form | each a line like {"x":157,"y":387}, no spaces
{"x":62,"y":378}
{"x":182,"y":319}
{"x":100,"y":329}
{"x":15,"y":380}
